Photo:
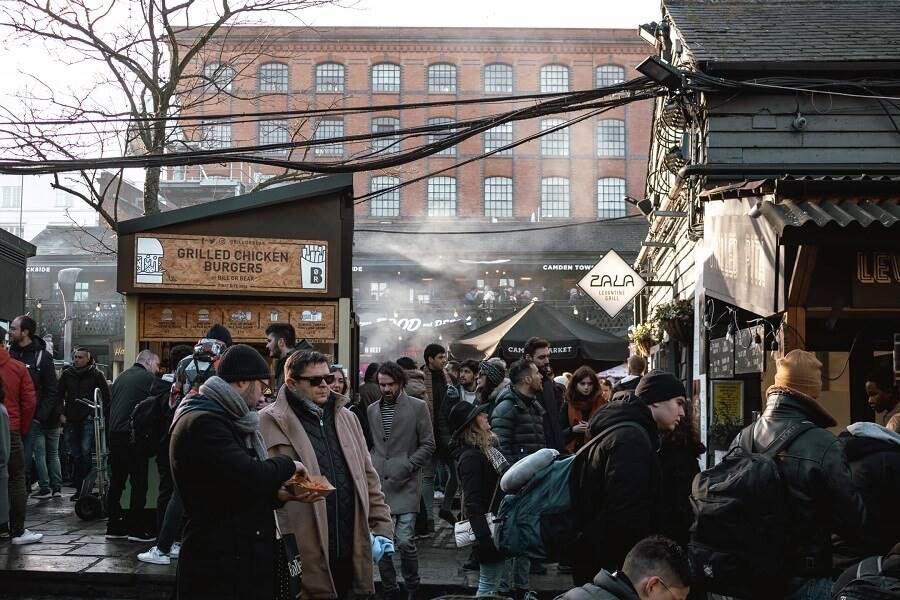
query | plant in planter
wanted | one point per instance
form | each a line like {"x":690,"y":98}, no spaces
{"x":677,"y":319}
{"x":645,"y":336}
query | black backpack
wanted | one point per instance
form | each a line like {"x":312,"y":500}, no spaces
{"x":870,"y":583}
{"x":738,"y":541}
{"x":147,"y":423}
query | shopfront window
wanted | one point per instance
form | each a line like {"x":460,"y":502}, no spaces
{"x":377,"y":290}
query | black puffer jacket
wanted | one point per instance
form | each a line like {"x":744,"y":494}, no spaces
{"x":679,"y":466}
{"x":875,"y":469}
{"x":81,"y":383}
{"x":822,"y":498}
{"x":606,"y":586}
{"x":552,"y":395}
{"x":518,"y":422}
{"x":618,"y":486}
{"x":479,"y":482}
{"x":43,"y":375}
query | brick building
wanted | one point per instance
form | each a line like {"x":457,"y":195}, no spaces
{"x":579,"y":174}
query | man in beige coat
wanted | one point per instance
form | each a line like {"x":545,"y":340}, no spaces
{"x":311,"y":424}
{"x":403,"y":443}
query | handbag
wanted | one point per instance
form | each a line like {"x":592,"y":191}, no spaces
{"x":462,"y":530}
{"x":288,"y":567}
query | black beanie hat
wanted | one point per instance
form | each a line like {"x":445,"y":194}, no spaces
{"x":221,"y":333}
{"x":242,"y":363}
{"x":659,"y":386}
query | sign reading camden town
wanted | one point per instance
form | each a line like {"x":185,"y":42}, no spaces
{"x":217,"y":263}
{"x":612,"y":283}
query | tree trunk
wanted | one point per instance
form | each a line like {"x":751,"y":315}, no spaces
{"x":151,"y":191}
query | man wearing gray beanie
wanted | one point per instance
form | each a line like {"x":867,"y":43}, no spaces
{"x":619,"y":479}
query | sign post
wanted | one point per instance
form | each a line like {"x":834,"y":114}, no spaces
{"x":612,"y":283}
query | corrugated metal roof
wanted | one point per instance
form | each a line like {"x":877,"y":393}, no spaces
{"x":875,"y":215}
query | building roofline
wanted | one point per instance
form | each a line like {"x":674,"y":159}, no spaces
{"x":16,"y":243}
{"x":236,"y":204}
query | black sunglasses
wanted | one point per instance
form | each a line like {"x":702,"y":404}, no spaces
{"x":316,"y":380}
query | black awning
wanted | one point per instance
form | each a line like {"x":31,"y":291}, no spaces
{"x":810,"y":219}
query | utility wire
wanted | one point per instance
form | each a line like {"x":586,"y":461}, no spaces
{"x":493,"y":231}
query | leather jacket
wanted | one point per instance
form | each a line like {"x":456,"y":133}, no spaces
{"x":821,"y":495}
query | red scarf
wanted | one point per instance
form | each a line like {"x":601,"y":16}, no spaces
{"x":575,"y":414}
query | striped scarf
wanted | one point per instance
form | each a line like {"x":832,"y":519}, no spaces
{"x":387,"y":416}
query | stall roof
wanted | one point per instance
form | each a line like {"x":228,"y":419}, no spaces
{"x":814,"y":216}
{"x":17,"y":244}
{"x":268,"y":197}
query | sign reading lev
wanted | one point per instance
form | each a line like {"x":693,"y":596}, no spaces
{"x":612,"y":283}
{"x":230,"y":263}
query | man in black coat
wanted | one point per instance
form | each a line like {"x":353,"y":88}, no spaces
{"x":228,"y":486}
{"x":618,"y":479}
{"x":79,"y":382}
{"x":518,"y":419}
{"x":537,"y":350}
{"x":625,"y":388}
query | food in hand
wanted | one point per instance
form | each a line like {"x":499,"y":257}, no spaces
{"x":316,"y":484}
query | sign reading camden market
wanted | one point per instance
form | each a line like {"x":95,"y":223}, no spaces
{"x":612,"y":283}
{"x":217,"y":263}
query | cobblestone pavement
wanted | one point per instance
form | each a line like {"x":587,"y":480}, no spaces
{"x":76,"y":552}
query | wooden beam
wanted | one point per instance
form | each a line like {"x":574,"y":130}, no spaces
{"x":793,"y":330}
{"x":801,"y":278}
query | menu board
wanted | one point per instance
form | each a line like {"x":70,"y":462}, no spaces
{"x":749,"y":356}
{"x":721,"y":358}
{"x":179,"y":320}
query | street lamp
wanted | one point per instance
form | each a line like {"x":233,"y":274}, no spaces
{"x":97,"y":308}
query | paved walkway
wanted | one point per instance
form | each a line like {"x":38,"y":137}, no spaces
{"x":75,"y":556}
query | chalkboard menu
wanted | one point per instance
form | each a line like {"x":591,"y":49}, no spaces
{"x":721,"y":358}
{"x":749,"y":356}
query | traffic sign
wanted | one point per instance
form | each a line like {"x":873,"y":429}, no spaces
{"x":612,"y":283}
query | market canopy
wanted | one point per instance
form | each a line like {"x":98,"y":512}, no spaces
{"x":569,"y":337}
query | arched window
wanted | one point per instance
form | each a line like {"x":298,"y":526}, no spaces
{"x":387,"y":203}
{"x":608,"y":75}
{"x":442,"y":79}
{"x":498,"y":79}
{"x":330,"y":78}
{"x":442,"y":196}
{"x":386,"y":78}
{"x":219,"y":77}
{"x":329,"y":128}
{"x":611,"y":138}
{"x":497,"y":137}
{"x":386,"y":144}
{"x":273,"y":77}
{"x":610,"y":198}
{"x":555,"y":143}
{"x":554,"y":197}
{"x":554,"y":79}
{"x":274,"y":132}
{"x":215,"y":135}
{"x":436,"y":136}
{"x":498,"y":197}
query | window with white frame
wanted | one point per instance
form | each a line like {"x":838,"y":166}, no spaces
{"x":555,"y":143}
{"x":330,"y":128}
{"x":13,"y":228}
{"x":82,"y":291}
{"x":554,"y":197}
{"x":442,"y":197}
{"x":273,"y":77}
{"x":10,"y":196}
{"x":497,"y":137}
{"x":554,"y":79}
{"x":215,"y":135}
{"x":377,"y":289}
{"x":610,"y":198}
{"x":608,"y":75}
{"x":330,"y":78}
{"x":387,"y":203}
{"x":439,"y":135}
{"x":442,"y":79}
{"x":386,"y":78}
{"x":611,"y":138}
{"x":273,"y":132}
{"x":219,"y":77}
{"x":63,"y":199}
{"x":498,"y":79}
{"x":498,"y":197}
{"x":389,"y":144}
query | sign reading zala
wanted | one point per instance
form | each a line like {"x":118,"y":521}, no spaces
{"x":612,"y":283}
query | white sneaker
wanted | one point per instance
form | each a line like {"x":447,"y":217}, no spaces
{"x":154,"y":556}
{"x":439,"y":495}
{"x":175,"y":550}
{"x":27,"y":537}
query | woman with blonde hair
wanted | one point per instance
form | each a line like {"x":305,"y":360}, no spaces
{"x":480,"y":466}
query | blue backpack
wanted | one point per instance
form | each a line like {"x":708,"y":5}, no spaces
{"x":539,"y":521}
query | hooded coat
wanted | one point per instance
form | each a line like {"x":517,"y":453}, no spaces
{"x":873,"y":453}
{"x":285,"y":435}
{"x":606,"y":586}
{"x":39,"y":363}
{"x":821,"y":495}
{"x":20,"y":398}
{"x":518,"y":422}
{"x":618,"y":486}
{"x":75,"y":383}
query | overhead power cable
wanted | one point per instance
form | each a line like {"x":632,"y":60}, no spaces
{"x":493,"y":231}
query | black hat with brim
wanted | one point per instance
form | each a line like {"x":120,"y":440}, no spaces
{"x":464,"y":413}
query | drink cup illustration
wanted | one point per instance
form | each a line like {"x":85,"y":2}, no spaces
{"x":312,"y":266}
{"x":148,"y":267}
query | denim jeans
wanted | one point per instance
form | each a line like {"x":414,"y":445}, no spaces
{"x":802,"y":588}
{"x":489,"y":575}
{"x":517,"y":574}
{"x":44,"y":443}
{"x":428,"y":486}
{"x":80,"y":442}
{"x":170,"y":531}
{"x":18,"y":493}
{"x":404,"y":532}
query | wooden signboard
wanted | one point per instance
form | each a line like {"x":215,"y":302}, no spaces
{"x":721,"y":358}
{"x":247,"y":321}
{"x":235,"y":264}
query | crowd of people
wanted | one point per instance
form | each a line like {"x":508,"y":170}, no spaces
{"x":228,"y":445}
